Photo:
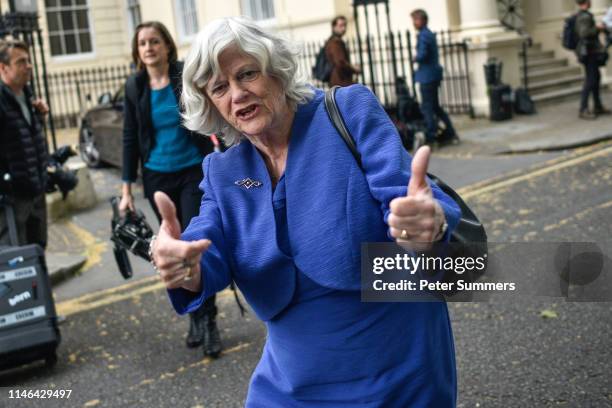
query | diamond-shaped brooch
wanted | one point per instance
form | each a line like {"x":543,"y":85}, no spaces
{"x":248,"y":183}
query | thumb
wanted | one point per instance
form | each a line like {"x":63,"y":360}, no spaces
{"x":167,"y":210}
{"x":420,"y":162}
{"x":200,"y":246}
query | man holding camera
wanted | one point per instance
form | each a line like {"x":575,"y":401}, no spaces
{"x":23,"y":149}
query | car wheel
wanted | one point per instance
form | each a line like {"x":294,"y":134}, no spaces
{"x":87,"y":147}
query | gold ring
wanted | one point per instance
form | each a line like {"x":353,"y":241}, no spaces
{"x":404,"y":234}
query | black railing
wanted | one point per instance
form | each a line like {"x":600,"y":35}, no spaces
{"x":524,"y":54}
{"x":74,"y":92}
{"x":68,"y":93}
{"x":384,"y":56}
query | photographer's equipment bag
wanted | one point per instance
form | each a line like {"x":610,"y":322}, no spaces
{"x":28,"y":321}
{"x":523,"y":104}
{"x":468,"y":239}
{"x":500,"y":100}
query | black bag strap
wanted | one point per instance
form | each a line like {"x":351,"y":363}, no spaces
{"x":468,"y":218}
{"x":336,"y":118}
{"x":469,"y":232}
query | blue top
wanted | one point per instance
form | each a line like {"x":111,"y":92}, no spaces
{"x":429,"y":69}
{"x":294,"y":252}
{"x":173,"y":149}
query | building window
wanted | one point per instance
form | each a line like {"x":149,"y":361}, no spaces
{"x":134,"y":18}
{"x":258,"y":9}
{"x":187,"y":18}
{"x":68,"y":26}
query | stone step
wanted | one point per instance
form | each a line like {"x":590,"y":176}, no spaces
{"x":547,"y":63}
{"x":537,"y":55}
{"x":535,"y":47}
{"x":551,"y":73}
{"x":572,"y":92}
{"x":548,"y":85}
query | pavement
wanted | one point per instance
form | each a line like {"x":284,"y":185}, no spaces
{"x":553,"y":128}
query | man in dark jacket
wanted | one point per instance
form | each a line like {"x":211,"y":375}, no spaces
{"x":429,"y":76}
{"x":23,"y":149}
{"x":337,"y":53}
{"x":589,"y":52}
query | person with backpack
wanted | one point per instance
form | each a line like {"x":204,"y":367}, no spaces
{"x":592,"y":55}
{"x":342,"y":71}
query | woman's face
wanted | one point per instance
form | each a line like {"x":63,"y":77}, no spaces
{"x":152,"y":49}
{"x":248,"y":100}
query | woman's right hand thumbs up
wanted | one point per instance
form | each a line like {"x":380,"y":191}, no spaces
{"x":176,"y":261}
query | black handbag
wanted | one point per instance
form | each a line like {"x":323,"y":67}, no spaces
{"x":468,"y":239}
{"x":601,"y":58}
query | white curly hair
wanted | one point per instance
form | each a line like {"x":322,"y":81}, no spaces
{"x":276,"y":57}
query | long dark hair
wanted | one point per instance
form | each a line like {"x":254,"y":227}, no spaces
{"x":163,"y":31}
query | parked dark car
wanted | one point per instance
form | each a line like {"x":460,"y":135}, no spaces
{"x":101,"y":132}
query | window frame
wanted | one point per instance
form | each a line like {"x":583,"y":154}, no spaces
{"x":130,"y":6}
{"x":247,"y":10}
{"x":180,"y":17}
{"x":59,"y":9}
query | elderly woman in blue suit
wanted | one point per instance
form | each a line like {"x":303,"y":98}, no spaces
{"x":284,"y":213}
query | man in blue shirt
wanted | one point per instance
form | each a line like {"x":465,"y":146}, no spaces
{"x":429,"y":76}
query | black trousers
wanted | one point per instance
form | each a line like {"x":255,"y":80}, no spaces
{"x":432,"y":111}
{"x":182,"y":188}
{"x":592,"y":81}
{"x":30,"y":220}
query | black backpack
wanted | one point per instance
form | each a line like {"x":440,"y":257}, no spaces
{"x":570,"y":37}
{"x":323,"y":67}
{"x":523,"y":104}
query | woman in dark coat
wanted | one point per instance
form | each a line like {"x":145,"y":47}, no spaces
{"x":170,"y":155}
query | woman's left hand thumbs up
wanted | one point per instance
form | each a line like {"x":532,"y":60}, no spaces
{"x":417,"y":218}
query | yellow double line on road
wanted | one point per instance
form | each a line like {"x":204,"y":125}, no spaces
{"x":150,"y":284}
{"x":113,"y":295}
{"x":548,"y":167}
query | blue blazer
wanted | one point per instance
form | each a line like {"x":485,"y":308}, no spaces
{"x":427,"y":56}
{"x":332,"y":206}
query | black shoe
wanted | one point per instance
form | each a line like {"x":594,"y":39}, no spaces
{"x":195,"y":337}
{"x":453,"y":140}
{"x":587,"y":115}
{"x":212,"y":338}
{"x":602,"y":111}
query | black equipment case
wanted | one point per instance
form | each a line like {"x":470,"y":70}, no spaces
{"x":501,"y":102}
{"x":28,"y":321}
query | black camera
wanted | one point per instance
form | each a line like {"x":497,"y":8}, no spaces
{"x":59,"y":178}
{"x":130,"y":232}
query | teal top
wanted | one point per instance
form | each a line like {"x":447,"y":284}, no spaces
{"x":173,"y":150}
